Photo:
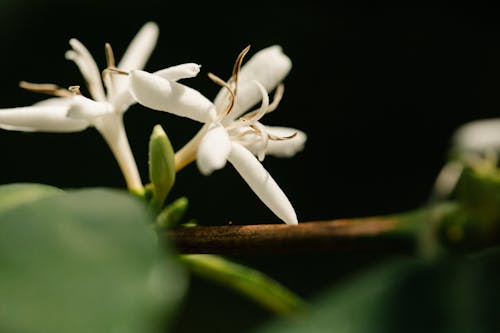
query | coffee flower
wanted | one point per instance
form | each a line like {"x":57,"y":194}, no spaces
{"x":230,"y":132}
{"x":478,"y":136}
{"x":69,"y":111}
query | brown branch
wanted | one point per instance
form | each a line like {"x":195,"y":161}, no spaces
{"x":343,"y":235}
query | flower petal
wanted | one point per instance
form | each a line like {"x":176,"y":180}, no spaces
{"x":122,"y":101}
{"x":86,"y":63}
{"x":269,"y":66}
{"x":140,"y":48}
{"x":40,"y":118}
{"x":85,"y":108}
{"x":137,"y":53}
{"x":479,"y":135}
{"x":261,"y":182}
{"x":159,"y":94}
{"x":213,"y":150}
{"x":182,"y":71}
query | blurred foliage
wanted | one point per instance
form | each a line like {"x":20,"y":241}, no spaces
{"x":453,"y":294}
{"x":83,"y":261}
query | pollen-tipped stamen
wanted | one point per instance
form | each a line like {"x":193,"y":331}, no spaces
{"x":223,"y":84}
{"x":75,"y":90}
{"x":273,"y":106}
{"x":282,"y":138}
{"x":237,"y":67}
{"x":255,"y":115}
{"x":45,"y":88}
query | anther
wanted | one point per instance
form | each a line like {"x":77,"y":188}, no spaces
{"x":278,"y":94}
{"x":221,"y":82}
{"x":45,"y":88}
{"x":110,"y":57}
{"x":237,"y":66}
{"x":75,"y":90}
{"x":281,"y":138}
{"x":110,"y":61}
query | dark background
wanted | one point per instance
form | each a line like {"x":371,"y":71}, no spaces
{"x":378,"y":90}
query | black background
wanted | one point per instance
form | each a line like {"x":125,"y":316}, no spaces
{"x":379,"y":91}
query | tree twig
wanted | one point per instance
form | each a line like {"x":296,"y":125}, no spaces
{"x":342,"y":235}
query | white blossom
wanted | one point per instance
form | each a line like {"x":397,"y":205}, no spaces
{"x":478,"y":136}
{"x":70,"y":111}
{"x":231,"y":132}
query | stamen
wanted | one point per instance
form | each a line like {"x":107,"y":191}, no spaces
{"x":259,"y":113}
{"x":281,"y":138}
{"x":243,"y":134}
{"x":264,"y":138}
{"x":46,"y":88}
{"x":237,"y":67}
{"x":75,"y":90}
{"x":110,"y":69}
{"x":278,"y":95}
{"x":221,"y":82}
{"x":110,"y":57}
{"x":86,"y":63}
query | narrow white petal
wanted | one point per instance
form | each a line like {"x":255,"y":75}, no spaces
{"x":140,"y":48}
{"x":86,"y":63}
{"x":269,"y":66}
{"x":479,"y":135}
{"x":261,"y":182}
{"x":137,"y":53}
{"x":41,"y":119}
{"x":213,"y":150}
{"x":159,"y":94}
{"x":178,"y":72}
{"x":85,"y":108}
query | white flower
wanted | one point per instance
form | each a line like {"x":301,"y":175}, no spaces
{"x":475,"y":143}
{"x":478,"y":136}
{"x":230,"y":132}
{"x":70,"y":111}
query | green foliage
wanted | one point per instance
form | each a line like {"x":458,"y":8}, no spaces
{"x":12,"y":195}
{"x":408,"y":295}
{"x":84,"y":261}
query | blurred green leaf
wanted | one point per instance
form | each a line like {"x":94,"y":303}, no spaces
{"x":161,"y":165}
{"x":85,"y":261}
{"x":12,"y":195}
{"x":408,"y":295}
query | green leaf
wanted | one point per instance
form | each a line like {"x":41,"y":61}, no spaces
{"x":85,"y":261}
{"x":12,"y":195}
{"x":408,"y":295}
{"x":161,"y":165}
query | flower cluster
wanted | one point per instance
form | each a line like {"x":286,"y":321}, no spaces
{"x":232,"y":131}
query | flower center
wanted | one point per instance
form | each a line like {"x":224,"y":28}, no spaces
{"x":247,"y":129}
